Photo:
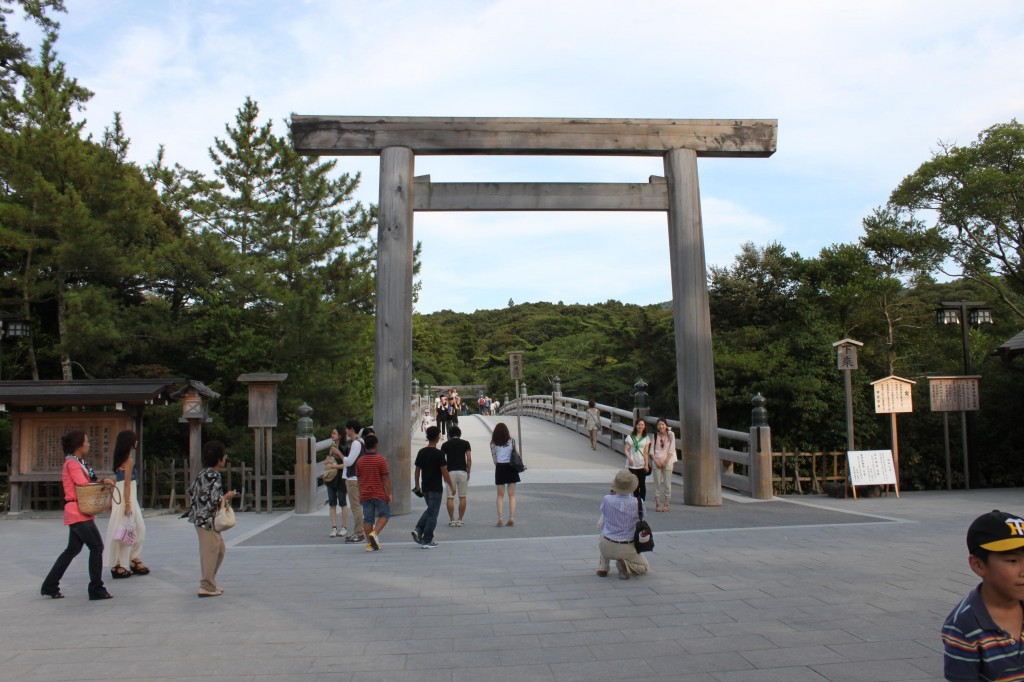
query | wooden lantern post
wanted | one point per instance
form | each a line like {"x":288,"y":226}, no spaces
{"x":263,"y":419}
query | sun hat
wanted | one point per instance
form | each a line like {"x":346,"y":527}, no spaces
{"x":996,"y":531}
{"x":625,"y":483}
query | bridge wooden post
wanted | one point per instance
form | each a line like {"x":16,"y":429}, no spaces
{"x":698,"y":417}
{"x":392,"y":420}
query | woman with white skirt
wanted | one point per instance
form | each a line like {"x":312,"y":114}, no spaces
{"x":123,"y":550}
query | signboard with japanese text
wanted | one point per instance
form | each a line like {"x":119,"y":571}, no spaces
{"x":38,"y":437}
{"x":846,"y":357}
{"x":893,"y":394}
{"x":515,"y":364}
{"x":871,"y":467}
{"x":954,"y":394}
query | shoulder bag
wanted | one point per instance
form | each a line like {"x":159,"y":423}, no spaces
{"x":643,"y":536}
{"x":516,"y":460}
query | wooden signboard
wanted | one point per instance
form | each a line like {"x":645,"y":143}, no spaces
{"x":893,"y":394}
{"x":871,"y":467}
{"x":38,"y":453}
{"x":515,"y":365}
{"x":954,"y":394}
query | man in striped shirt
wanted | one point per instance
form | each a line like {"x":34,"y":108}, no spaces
{"x":619,"y":515}
{"x":982,"y":636}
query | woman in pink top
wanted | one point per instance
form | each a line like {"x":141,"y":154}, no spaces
{"x":82,"y":528}
{"x":664,"y":464}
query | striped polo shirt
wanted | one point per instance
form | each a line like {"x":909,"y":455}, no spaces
{"x":978,"y":649}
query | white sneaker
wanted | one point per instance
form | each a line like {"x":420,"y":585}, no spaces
{"x":342,"y":532}
{"x":334,"y":532}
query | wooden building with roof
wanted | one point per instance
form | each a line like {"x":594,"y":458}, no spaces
{"x":43,"y":411}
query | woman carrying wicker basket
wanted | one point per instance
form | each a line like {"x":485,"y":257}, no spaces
{"x":126,"y":529}
{"x":82,"y":528}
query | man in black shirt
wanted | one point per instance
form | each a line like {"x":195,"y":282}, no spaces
{"x":431,"y":470}
{"x":459,"y":456}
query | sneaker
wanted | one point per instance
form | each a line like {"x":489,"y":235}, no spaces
{"x":369,"y":547}
{"x":355,"y":537}
{"x":417,"y":538}
{"x":459,"y":523}
{"x":374,"y":541}
{"x":342,"y":532}
{"x":453,"y":523}
{"x":429,"y":545}
{"x":334,"y":532}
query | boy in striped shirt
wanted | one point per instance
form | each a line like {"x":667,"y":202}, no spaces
{"x":982,"y":636}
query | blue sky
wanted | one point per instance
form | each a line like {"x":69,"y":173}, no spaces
{"x":863,"y":94}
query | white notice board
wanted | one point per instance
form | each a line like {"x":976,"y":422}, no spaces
{"x":871,"y":467}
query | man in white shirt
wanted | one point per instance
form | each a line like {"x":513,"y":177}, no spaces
{"x":355,"y":449}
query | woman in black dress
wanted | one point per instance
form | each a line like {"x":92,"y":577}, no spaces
{"x":505,"y":475}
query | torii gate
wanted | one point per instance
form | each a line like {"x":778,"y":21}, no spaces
{"x":397,"y":140}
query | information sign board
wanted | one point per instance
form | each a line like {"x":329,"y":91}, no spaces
{"x":846,"y":357}
{"x":954,"y":394}
{"x":515,"y":364}
{"x":893,"y":394}
{"x":871,"y":467}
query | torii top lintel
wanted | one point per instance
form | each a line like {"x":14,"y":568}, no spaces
{"x":427,"y":135}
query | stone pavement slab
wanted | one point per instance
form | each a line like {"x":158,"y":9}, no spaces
{"x":797,"y":589}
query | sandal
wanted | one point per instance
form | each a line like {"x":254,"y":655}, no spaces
{"x":500,"y":523}
{"x":138,"y":568}
{"x":511,"y":522}
{"x":119,"y":573}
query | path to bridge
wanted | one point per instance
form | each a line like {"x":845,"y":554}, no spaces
{"x":798,"y":589}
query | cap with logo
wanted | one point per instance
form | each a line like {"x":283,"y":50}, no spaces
{"x":996,"y":531}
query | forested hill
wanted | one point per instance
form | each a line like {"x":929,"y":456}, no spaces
{"x":775,"y":316}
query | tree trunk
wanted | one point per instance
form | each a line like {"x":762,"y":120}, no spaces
{"x":62,"y":329}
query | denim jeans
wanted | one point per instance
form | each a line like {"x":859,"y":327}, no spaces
{"x":84,"y":533}
{"x":428,"y":519}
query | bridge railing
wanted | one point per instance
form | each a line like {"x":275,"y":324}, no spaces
{"x":745,"y":456}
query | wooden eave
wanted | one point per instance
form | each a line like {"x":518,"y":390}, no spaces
{"x":92,"y":392}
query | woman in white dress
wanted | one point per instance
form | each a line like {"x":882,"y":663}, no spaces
{"x":124,"y":559}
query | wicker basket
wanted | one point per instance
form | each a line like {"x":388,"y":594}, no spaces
{"x":94,"y":498}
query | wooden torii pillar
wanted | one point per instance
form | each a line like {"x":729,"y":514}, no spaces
{"x":397,"y":140}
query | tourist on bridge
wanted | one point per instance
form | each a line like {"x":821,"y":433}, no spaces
{"x":337,"y":488}
{"x":442,"y":414}
{"x":375,"y":492}
{"x":664,"y":464}
{"x":638,"y":456}
{"x":355,"y":449}
{"x":620,"y":512}
{"x":430,"y":475}
{"x":459,"y":456}
{"x":593,"y":419}
{"x":505,"y":475}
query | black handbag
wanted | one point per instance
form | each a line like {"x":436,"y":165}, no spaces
{"x":516,"y":460}
{"x":643,"y":536}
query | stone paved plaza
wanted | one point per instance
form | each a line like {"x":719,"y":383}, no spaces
{"x":809,"y":588}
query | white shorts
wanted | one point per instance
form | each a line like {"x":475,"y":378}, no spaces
{"x":461,"y":481}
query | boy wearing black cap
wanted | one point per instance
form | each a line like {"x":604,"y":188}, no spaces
{"x":982,"y":636}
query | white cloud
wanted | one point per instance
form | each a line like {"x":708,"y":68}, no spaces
{"x":862,"y":93}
